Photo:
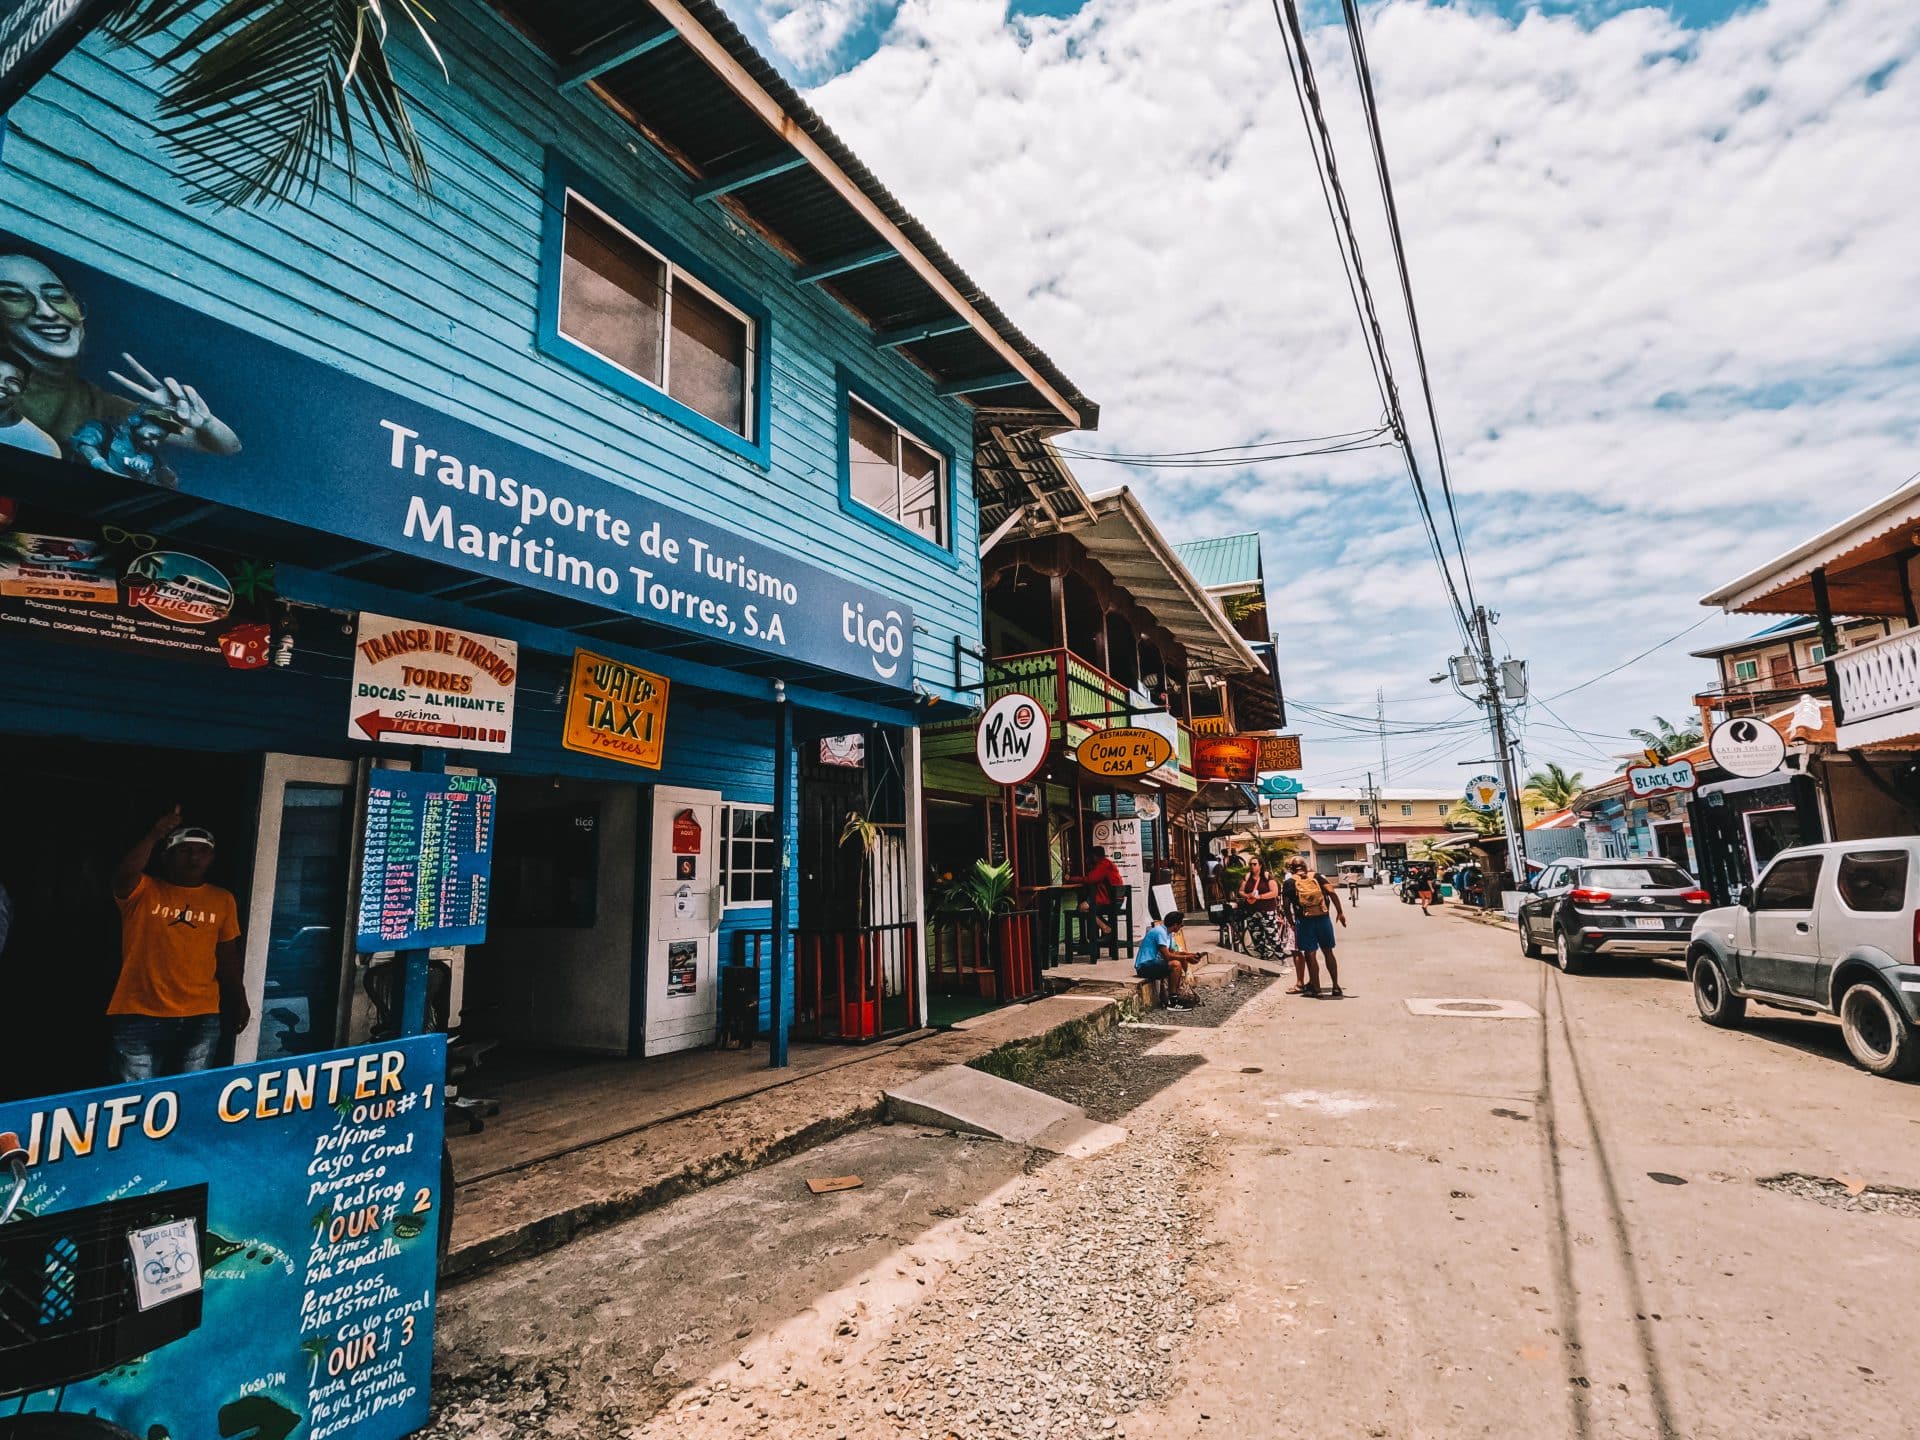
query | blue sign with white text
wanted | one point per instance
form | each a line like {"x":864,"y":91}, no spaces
{"x":111,"y":376}
{"x":426,"y":860}
{"x":247,"y":1252}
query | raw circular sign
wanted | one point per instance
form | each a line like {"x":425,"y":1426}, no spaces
{"x":1747,"y":747}
{"x":1124,"y":754}
{"x":1011,"y":743}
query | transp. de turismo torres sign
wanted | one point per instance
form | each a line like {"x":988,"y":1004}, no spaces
{"x":279,"y":434}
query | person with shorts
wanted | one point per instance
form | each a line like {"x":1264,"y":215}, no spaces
{"x":1161,"y":958}
{"x":1313,"y":903}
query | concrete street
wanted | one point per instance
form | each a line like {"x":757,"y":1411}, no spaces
{"x":1331,"y":1218}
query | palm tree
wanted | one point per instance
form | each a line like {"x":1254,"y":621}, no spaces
{"x":1436,"y":849}
{"x":1666,"y":740}
{"x":1553,"y":788}
{"x":1482,"y":822}
{"x":263,"y":92}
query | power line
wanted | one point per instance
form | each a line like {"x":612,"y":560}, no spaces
{"x":1239,"y":463}
{"x":1356,"y":42}
{"x":1320,"y":138}
{"x":1149,"y":455}
{"x":1562,"y":694}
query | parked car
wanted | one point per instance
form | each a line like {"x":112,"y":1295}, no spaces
{"x":1829,"y":929}
{"x":1417,"y":872}
{"x":1355,"y":872}
{"x":1584,"y":908}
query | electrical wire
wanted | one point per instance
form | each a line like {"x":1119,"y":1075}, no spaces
{"x":1561,"y":694}
{"x":1236,"y":464}
{"x":1356,"y":43}
{"x":1320,"y":138}
{"x":1343,"y":436}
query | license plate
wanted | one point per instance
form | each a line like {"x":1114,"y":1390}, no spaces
{"x":1648,"y":922}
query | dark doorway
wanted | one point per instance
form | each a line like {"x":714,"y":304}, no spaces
{"x":76,"y":807}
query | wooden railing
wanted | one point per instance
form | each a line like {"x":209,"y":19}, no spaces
{"x":1879,"y":678}
{"x":967,"y":955}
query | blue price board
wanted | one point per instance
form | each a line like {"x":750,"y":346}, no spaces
{"x":426,"y":860}
{"x":248,"y":1251}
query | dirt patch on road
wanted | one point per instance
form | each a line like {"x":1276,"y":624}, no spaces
{"x":1861,"y":1199}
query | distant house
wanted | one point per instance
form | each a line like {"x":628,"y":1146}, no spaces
{"x":1774,"y":666}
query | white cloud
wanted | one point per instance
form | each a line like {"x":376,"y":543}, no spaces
{"x":1669,"y":283}
{"x":808,"y":33}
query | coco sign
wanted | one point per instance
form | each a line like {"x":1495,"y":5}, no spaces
{"x":1011,"y":743}
{"x":1124,"y":754}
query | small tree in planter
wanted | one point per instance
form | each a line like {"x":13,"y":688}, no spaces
{"x":985,"y":894}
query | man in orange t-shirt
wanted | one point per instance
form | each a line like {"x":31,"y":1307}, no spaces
{"x":180,"y":956}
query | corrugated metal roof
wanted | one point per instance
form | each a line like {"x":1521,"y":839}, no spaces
{"x":1224,"y":561}
{"x":707,"y":123}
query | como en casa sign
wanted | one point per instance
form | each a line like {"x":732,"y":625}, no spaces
{"x":1123,"y":753}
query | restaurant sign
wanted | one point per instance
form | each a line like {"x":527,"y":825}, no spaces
{"x":246,"y":1251}
{"x":1280,"y":752}
{"x":1123,"y":754}
{"x":1232,"y":758}
{"x":71,"y":579}
{"x":1011,"y":743}
{"x":158,"y":392}
{"x":1671,"y":777}
{"x":417,"y":684}
{"x":616,"y":711}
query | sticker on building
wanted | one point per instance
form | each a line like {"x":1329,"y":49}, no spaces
{"x":683,"y":967}
{"x":616,"y":711}
{"x":420,"y":684}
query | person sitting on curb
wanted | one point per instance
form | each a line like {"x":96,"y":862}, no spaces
{"x":1161,"y":958}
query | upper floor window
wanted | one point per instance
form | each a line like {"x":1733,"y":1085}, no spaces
{"x":896,"y":474}
{"x":1746,"y":670}
{"x":1406,"y":809}
{"x":1818,"y":653}
{"x":636,"y":310}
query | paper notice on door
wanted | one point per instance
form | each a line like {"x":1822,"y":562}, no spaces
{"x":166,"y":1262}
{"x":683,"y":967}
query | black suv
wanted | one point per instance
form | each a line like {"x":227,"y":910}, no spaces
{"x":1584,"y":908}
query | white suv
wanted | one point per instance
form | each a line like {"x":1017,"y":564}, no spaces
{"x":1831,"y":929}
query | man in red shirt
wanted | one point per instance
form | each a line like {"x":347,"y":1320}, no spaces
{"x":1103,"y":877}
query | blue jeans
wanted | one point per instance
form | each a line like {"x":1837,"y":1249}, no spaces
{"x":146,"y":1047}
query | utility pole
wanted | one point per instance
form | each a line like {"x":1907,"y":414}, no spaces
{"x":1380,"y":719}
{"x":1502,"y":747}
{"x":1373,"y":808}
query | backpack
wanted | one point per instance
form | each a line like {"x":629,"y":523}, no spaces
{"x":1310,"y":894}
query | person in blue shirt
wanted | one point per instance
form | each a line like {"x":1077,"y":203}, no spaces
{"x":1160,"y":958}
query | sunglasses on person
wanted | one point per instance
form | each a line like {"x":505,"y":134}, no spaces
{"x":18,"y":303}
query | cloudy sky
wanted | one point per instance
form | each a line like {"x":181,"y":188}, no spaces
{"x":1667,"y":260}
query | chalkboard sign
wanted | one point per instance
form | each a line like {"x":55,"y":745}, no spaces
{"x":426,"y":860}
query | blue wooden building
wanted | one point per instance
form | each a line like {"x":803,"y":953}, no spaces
{"x":659,"y":374}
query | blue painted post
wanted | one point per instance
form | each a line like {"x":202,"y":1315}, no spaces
{"x":418,"y":963}
{"x":783,"y":874}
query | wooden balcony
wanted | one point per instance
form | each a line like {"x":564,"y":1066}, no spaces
{"x":1876,"y":691}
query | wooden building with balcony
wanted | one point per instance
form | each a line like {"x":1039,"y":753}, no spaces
{"x":1087,"y":609}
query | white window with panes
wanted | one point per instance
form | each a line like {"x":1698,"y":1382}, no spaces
{"x":647,"y":317}
{"x":896,"y":474}
{"x":749,"y":854}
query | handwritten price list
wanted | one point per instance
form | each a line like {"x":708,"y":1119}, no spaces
{"x":426,"y":860}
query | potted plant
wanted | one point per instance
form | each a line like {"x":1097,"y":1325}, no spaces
{"x":984,"y":893}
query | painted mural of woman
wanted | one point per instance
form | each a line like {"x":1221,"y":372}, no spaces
{"x":42,"y":320}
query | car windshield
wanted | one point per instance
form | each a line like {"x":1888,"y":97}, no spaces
{"x":1638,"y":877}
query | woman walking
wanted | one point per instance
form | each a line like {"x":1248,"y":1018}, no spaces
{"x":1260,"y":893}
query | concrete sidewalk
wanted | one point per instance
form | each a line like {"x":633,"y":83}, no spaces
{"x":554,"y":1191}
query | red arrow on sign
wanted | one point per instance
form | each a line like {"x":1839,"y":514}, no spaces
{"x":377,"y":724}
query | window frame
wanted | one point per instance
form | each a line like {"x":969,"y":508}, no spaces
{"x":1819,"y":863}
{"x":727,"y":808}
{"x":1751,"y":667}
{"x":565,"y":183}
{"x":1868,"y":857}
{"x":854,"y":390}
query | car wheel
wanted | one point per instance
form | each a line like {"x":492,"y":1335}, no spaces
{"x":1713,"y":996}
{"x":1529,"y":946}
{"x":1877,"y":1033}
{"x":1564,"y":953}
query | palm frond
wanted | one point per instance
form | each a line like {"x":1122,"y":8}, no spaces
{"x":265,"y":93}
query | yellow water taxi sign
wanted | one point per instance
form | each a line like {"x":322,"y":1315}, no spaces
{"x":616,"y":711}
{"x":1124,"y":754}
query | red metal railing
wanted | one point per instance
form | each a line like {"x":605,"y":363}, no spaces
{"x":860,"y":983}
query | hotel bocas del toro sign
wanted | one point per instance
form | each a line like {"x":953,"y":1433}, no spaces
{"x":271,"y":431}
{"x":1011,"y":743}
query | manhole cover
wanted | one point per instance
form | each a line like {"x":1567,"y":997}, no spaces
{"x":1473,"y":1007}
